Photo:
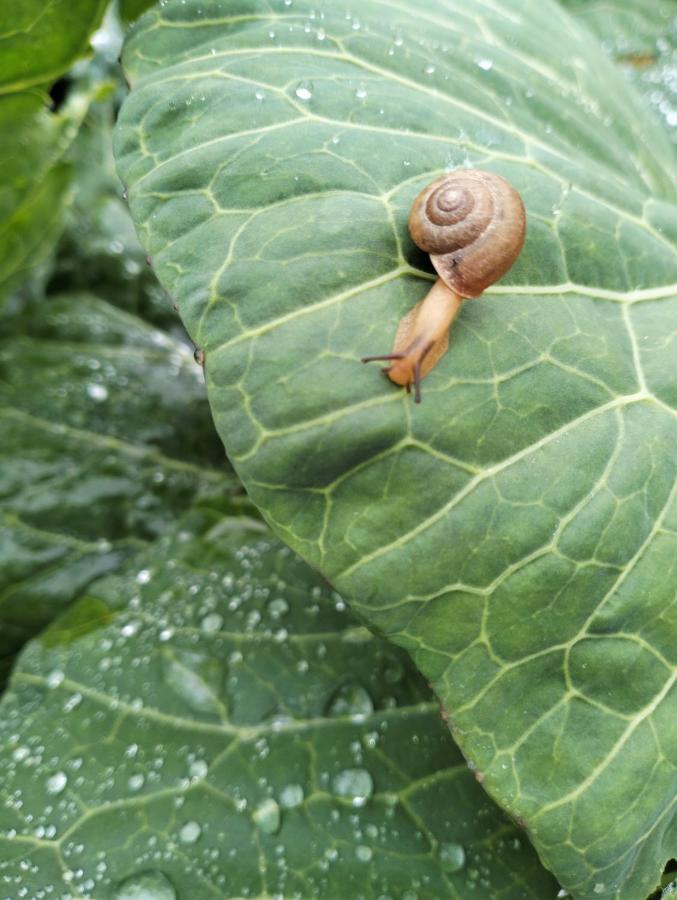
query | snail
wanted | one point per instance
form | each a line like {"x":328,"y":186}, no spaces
{"x":473,"y":225}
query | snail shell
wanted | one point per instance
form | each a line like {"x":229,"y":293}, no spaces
{"x":472,"y":223}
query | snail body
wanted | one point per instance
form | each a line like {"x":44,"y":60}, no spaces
{"x":473,"y":224}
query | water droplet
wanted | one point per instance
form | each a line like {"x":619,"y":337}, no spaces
{"x":452,"y":857}
{"x":291,"y":796}
{"x":151,"y":885}
{"x":190,"y":832}
{"x":599,"y":887}
{"x":356,"y":784}
{"x":485,"y":64}
{"x":198,"y":768}
{"x":136,"y":782}
{"x":304,"y":91}
{"x":321,"y":34}
{"x":350,"y":700}
{"x":143,"y":577}
{"x":259,"y":94}
{"x":267,"y":816}
{"x":57,"y":783}
{"x":195,"y":678}
{"x":55,"y":678}
{"x":363,"y":853}
{"x":97,"y":392}
{"x":361,"y":92}
{"x":278,"y":607}
{"x":394,"y":671}
{"x":429,"y":69}
{"x":211,"y":623}
{"x":73,"y":702}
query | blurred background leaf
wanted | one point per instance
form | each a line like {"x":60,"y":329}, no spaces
{"x":641,"y":36}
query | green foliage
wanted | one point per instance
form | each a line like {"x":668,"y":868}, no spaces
{"x":41,"y":40}
{"x":195,"y":713}
{"x":641,"y":36}
{"x":38,"y":42}
{"x":220,"y":726}
{"x":517,"y":531}
{"x":132,"y":9}
{"x":104,"y":439}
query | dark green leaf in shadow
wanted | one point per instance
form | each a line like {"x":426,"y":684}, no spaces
{"x":105,"y":438}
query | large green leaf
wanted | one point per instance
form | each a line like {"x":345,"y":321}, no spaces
{"x":517,"y":530}
{"x":104,"y":439}
{"x":218,"y":725}
{"x":38,"y":42}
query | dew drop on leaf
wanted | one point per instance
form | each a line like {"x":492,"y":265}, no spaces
{"x":151,"y":885}
{"x":211,"y":623}
{"x":195,"y":678}
{"x":291,"y":796}
{"x":97,"y":392}
{"x":363,"y":853}
{"x":350,"y":699}
{"x":57,"y":783}
{"x":355,"y":784}
{"x":278,"y":607}
{"x":190,"y":832}
{"x":304,"y":91}
{"x":198,"y":768}
{"x":55,"y":678}
{"x":394,"y":671}
{"x":135,"y":782}
{"x":452,"y":857}
{"x":267,"y":816}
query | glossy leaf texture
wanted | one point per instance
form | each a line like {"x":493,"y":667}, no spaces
{"x":218,"y":725}
{"x":517,"y":531}
{"x":641,"y":36}
{"x":105,"y":438}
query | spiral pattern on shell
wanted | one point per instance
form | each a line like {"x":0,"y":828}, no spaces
{"x":473,"y":225}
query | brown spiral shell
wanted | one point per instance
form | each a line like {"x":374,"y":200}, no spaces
{"x":472,"y":223}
